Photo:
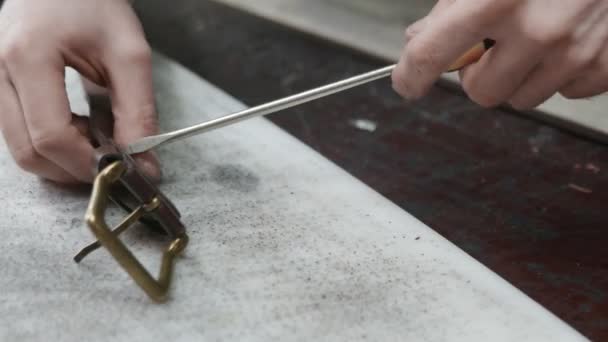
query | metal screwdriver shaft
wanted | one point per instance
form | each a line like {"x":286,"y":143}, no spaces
{"x":151,"y":142}
{"x":154,"y":141}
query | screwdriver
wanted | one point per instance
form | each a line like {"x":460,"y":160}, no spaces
{"x":151,"y":142}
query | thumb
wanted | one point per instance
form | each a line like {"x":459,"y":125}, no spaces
{"x":133,"y":103}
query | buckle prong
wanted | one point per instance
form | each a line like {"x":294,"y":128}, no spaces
{"x":126,"y":223}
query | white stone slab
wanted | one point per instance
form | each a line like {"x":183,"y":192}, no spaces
{"x":376,"y":28}
{"x":284,"y":246}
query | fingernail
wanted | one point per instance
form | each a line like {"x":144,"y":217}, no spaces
{"x":149,"y":165}
{"x":399,"y":86}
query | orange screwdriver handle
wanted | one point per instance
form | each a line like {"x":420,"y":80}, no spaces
{"x":472,"y":55}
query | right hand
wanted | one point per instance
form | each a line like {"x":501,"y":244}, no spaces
{"x":543,"y":47}
{"x":104,"y":41}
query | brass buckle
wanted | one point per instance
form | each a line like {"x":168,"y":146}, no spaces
{"x":108,"y":238}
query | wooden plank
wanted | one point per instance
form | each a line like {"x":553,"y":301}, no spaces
{"x":376,"y":28}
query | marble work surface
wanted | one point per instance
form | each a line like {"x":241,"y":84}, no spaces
{"x":284,"y":245}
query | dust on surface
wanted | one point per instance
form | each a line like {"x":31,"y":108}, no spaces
{"x":235,"y":177}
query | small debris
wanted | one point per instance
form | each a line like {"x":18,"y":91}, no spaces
{"x":580,"y":188}
{"x":289,"y":79}
{"x":417,"y":238}
{"x":592,"y":167}
{"x":364,"y":124}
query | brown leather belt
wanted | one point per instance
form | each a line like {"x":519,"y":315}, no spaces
{"x":118,"y":179}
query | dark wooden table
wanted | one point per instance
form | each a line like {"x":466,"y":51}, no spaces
{"x":527,"y":200}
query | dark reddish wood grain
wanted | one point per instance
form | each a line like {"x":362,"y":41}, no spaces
{"x":527,"y":200}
